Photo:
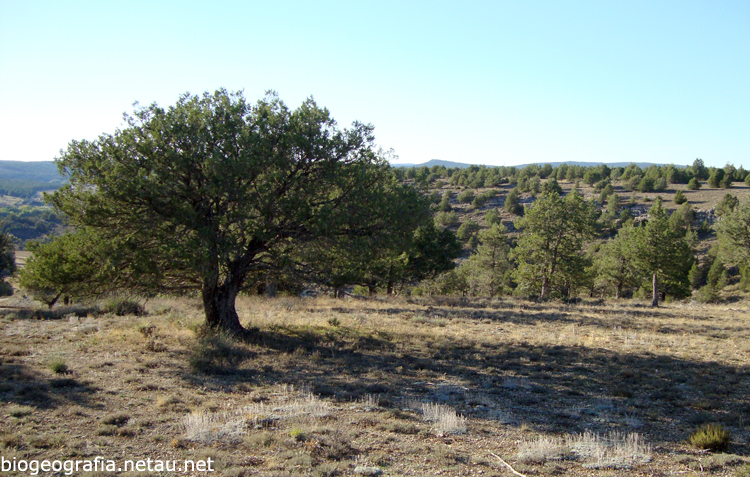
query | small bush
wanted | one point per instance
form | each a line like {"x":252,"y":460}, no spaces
{"x":466,"y":197}
{"x":712,"y":436}
{"x":6,"y":289}
{"x":118,"y":420}
{"x":679,"y":198}
{"x":58,"y":366}
{"x":122,"y":306}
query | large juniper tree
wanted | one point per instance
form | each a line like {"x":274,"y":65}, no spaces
{"x":213,"y":190}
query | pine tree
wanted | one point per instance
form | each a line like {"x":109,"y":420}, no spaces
{"x":487,"y":270}
{"x":550,"y":251}
{"x":614,"y":265}
{"x":662,"y":254}
{"x":512,"y":205}
{"x":679,"y":197}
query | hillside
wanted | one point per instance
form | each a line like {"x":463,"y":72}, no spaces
{"x":41,"y":171}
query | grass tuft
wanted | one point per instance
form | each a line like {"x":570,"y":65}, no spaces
{"x":58,"y":366}
{"x":713,"y":437}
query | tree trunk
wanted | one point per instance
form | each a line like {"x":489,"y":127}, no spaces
{"x":545,"y":288}
{"x":218,"y":305}
{"x":271,"y":289}
{"x":389,"y":288}
{"x":51,"y":303}
{"x":655,"y":298}
{"x":372,"y":290}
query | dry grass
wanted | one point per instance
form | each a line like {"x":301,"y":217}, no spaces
{"x":564,"y":389}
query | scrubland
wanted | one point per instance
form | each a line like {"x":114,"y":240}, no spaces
{"x":398,"y":386}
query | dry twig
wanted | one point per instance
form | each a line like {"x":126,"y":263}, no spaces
{"x":507,"y":465}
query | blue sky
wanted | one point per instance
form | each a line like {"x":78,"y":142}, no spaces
{"x":494,"y":82}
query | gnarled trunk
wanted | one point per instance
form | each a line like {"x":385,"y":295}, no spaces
{"x":218,"y":305}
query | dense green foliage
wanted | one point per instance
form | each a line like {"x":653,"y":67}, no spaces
{"x":488,"y":270}
{"x":663,"y":254}
{"x":213,"y":192}
{"x":550,"y":251}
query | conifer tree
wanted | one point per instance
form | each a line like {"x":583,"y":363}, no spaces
{"x":550,"y":251}
{"x":663,"y":254}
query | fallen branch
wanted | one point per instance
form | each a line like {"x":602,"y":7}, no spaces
{"x":507,"y":465}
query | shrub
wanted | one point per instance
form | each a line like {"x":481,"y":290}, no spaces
{"x":122,"y":306}
{"x":511,"y":203}
{"x":446,"y":219}
{"x":57,"y":366}
{"x":715,"y":179}
{"x":492,"y":217}
{"x":707,"y":294}
{"x":660,"y":184}
{"x":467,"y":230}
{"x":6,"y":289}
{"x":466,"y":197}
{"x":711,"y":436}
{"x":679,"y":198}
{"x":694,"y":184}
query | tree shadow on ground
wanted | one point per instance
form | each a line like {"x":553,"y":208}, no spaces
{"x":20,"y":384}
{"x":552,"y":389}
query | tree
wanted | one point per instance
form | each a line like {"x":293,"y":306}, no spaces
{"x":7,"y":263}
{"x":551,"y":247}
{"x":465,"y":197}
{"x":613,"y":264}
{"x":214,"y":190}
{"x":512,"y":205}
{"x":694,"y":184}
{"x":716,"y":178}
{"x":733,"y":231}
{"x":488,"y":269}
{"x":445,"y":205}
{"x":467,"y":230}
{"x":552,"y":186}
{"x":700,"y":171}
{"x":77,"y":265}
{"x":385,"y":258}
{"x":492,"y":217}
{"x":727,"y":205}
{"x":679,"y":197}
{"x":663,"y":254}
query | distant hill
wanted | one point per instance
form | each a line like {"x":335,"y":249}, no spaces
{"x":461,"y":165}
{"x":436,"y":162}
{"x":25,"y":179}
{"x":42,"y":171}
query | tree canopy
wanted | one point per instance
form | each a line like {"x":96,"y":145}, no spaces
{"x":550,"y":252}
{"x":662,"y":254}
{"x":213,"y":190}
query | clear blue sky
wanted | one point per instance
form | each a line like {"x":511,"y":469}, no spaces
{"x":481,"y":82}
